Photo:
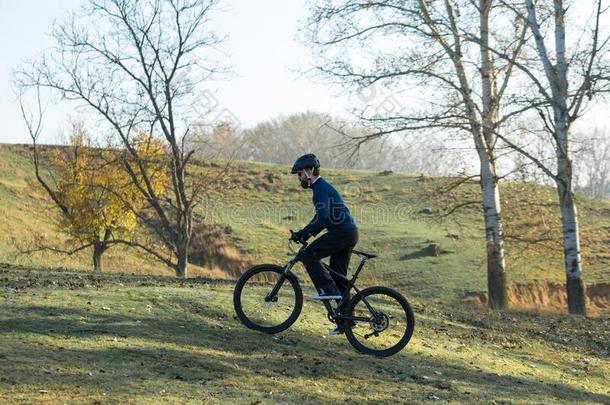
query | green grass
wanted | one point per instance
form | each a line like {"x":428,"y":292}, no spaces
{"x":261,"y":201}
{"x":27,"y":213}
{"x":70,"y":338}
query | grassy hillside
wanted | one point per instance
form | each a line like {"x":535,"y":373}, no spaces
{"x":399,"y":215}
{"x":70,"y":338}
{"x":27,"y":213}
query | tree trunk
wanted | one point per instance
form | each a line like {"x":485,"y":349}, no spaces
{"x":484,"y":142}
{"x":571,"y":244}
{"x":182,"y":252}
{"x":569,"y":220}
{"x":496,"y":269}
{"x":98,"y":251}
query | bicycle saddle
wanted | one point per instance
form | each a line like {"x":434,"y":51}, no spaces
{"x":367,"y":255}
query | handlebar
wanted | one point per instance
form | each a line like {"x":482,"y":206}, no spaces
{"x":293,"y":238}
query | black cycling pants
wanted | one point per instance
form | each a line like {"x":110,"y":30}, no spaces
{"x":336,"y":244}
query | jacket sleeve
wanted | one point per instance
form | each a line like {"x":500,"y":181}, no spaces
{"x":321,"y":217}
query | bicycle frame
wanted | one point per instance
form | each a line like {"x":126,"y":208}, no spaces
{"x":368,"y":312}
{"x":333,"y":315}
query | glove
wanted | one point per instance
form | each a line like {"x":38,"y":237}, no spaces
{"x":297,"y":236}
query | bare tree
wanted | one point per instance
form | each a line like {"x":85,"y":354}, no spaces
{"x":461,"y":86}
{"x":282,"y":139}
{"x":563,"y":82}
{"x":137,"y":65}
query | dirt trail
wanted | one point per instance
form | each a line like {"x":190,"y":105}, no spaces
{"x":551,"y":297}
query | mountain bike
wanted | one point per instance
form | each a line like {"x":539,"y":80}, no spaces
{"x":375,"y":320}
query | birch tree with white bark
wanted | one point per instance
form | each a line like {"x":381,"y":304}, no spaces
{"x":422,"y":47}
{"x":565,"y":74}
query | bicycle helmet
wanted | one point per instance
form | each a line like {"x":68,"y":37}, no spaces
{"x":305,"y":161}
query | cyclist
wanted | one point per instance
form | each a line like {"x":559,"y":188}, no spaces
{"x":331,"y":214}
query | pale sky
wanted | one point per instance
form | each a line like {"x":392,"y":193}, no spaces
{"x":261,"y":48}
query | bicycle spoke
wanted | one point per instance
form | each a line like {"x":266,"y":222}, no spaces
{"x":382,"y":323}
{"x":267,"y":313}
{"x":259,"y":309}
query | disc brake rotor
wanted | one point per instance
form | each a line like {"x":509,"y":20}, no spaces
{"x":382,"y":324}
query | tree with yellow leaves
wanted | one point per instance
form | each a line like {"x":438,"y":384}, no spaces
{"x":99,"y":202}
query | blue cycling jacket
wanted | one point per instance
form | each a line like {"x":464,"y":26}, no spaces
{"x":331,"y":211}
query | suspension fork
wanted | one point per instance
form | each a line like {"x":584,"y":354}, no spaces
{"x":272,"y":295}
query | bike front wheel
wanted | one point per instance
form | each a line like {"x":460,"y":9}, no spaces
{"x":379,"y":321}
{"x":267,"y":300}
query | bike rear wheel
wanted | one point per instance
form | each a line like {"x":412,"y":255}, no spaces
{"x":259,"y":309}
{"x":382,"y":324}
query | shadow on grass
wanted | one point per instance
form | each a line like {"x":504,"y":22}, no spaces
{"x":210,"y":347}
{"x":572,"y":332}
{"x":415,"y":255}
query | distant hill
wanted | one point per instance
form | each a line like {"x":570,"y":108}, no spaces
{"x":400,"y":216}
